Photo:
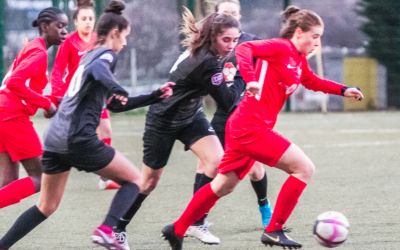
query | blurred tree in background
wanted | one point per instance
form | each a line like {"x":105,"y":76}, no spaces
{"x":382,"y":26}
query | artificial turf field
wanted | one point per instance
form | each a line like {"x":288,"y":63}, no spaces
{"x":357,"y":156}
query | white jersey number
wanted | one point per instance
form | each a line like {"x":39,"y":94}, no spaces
{"x":76,"y":81}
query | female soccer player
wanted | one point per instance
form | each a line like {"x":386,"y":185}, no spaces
{"x":20,"y":97}
{"x":71,"y":139}
{"x":77,"y":44}
{"x":281,"y":67}
{"x":257,"y":173}
{"x":197,"y":72}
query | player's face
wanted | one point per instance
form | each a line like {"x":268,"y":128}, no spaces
{"x":84,"y":21}
{"x":226,"y":41}
{"x":310,"y":40}
{"x":229,"y":8}
{"x":120,"y":41}
{"x":56,"y":31}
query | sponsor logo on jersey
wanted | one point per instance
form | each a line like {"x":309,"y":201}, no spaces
{"x":217,"y":79}
{"x":229,"y":72}
{"x":81,"y":53}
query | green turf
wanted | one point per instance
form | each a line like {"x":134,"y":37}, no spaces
{"x":357,"y":158}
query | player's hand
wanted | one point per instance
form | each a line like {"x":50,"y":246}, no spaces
{"x":166,"y":89}
{"x":354,"y":92}
{"x":253,"y":88}
{"x":122,"y":99}
{"x":51,"y":111}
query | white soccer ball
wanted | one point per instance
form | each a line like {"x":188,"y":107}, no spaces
{"x":331,"y":229}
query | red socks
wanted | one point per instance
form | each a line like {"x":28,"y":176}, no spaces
{"x":285,"y":203}
{"x":16,"y":191}
{"x":107,"y":141}
{"x":202,"y":201}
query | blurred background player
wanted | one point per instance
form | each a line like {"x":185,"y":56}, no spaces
{"x":257,"y":174}
{"x":197,"y":72}
{"x":71,"y":140}
{"x":281,"y":67}
{"x":77,"y":44}
{"x":20,"y":97}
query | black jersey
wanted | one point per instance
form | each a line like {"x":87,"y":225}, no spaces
{"x":195,"y":76}
{"x":222,"y":114}
{"x":79,"y":113}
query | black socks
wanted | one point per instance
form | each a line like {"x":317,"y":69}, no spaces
{"x":27,"y":221}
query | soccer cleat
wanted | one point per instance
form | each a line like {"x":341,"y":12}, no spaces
{"x":103,"y":236}
{"x":122,"y":238}
{"x":168,"y":233}
{"x":108,"y":184}
{"x":266,"y":214}
{"x":279,"y":238}
{"x":202,"y":233}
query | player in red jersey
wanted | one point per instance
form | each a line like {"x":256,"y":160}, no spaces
{"x":20,"y":97}
{"x":281,"y":68}
{"x":77,"y":44}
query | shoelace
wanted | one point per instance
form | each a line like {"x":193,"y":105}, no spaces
{"x":121,"y":237}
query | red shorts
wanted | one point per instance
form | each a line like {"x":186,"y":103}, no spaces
{"x":105,"y":114}
{"x":265,"y":146}
{"x":19,"y":139}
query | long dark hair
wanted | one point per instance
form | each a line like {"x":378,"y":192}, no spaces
{"x":294,"y":17}
{"x":203,"y":34}
{"x":110,"y":19}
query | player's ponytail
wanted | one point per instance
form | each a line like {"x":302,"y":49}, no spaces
{"x":110,"y":19}
{"x":294,"y":17}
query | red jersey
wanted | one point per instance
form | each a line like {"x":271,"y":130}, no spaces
{"x":22,"y":87}
{"x":67,"y":61}
{"x":280,"y":69}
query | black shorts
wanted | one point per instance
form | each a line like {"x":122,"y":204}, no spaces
{"x":219,"y":123}
{"x":90,"y":156}
{"x":158,"y":141}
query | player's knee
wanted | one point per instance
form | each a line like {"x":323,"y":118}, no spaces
{"x":257,"y":172}
{"x":226,"y":189}
{"x":48,"y":208}
{"x":149,"y":185}
{"x":308,"y":170}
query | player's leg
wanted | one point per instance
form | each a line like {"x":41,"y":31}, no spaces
{"x":24,"y":146}
{"x":233,"y":168}
{"x":104,"y":132}
{"x":9,"y":171}
{"x":53,"y":187}
{"x":258,"y":179}
{"x":279,"y":152}
{"x":157,"y":146}
{"x":200,"y":138}
{"x":122,"y":171}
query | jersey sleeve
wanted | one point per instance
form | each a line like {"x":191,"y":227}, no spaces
{"x":18,"y":82}
{"x":247,"y":51}
{"x":58,"y":85}
{"x":135,"y":102}
{"x":313,"y":82}
{"x":101,"y":72}
{"x":224,"y":96}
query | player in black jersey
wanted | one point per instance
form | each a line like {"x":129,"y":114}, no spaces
{"x":71,"y":139}
{"x":197,"y":72}
{"x":257,"y":174}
